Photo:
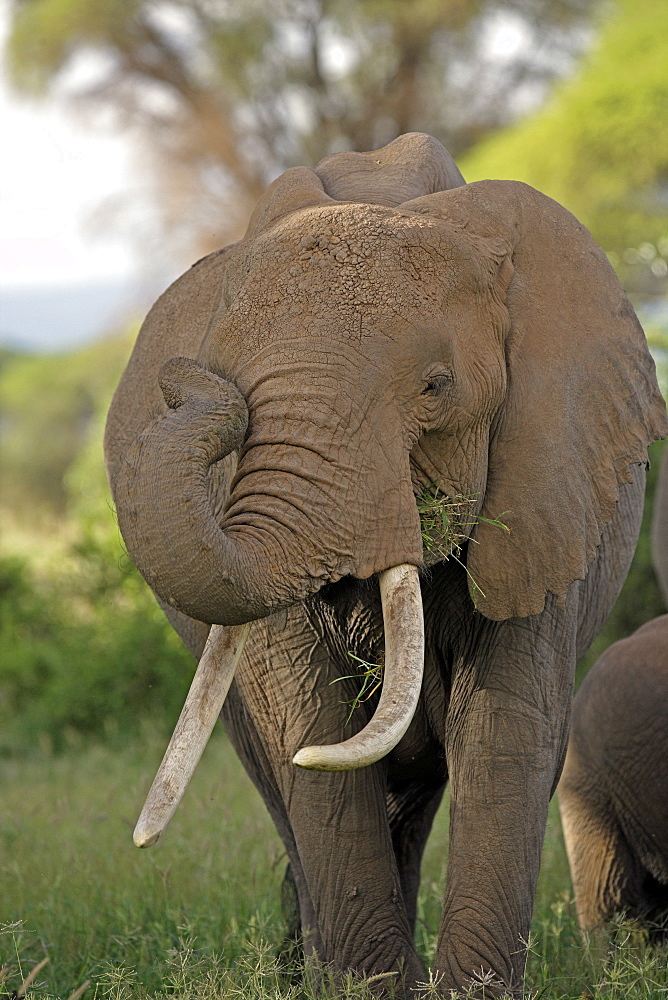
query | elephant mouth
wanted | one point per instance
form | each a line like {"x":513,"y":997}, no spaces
{"x":404,"y":663}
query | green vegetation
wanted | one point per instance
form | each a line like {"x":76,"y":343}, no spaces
{"x":87,"y":653}
{"x":598,"y":146}
{"x":371,"y":677}
{"x":49,"y":405}
{"x":197,"y":917}
{"x":446,"y":523}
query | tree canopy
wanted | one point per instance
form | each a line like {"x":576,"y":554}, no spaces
{"x":600,"y":144}
{"x":223,"y":95}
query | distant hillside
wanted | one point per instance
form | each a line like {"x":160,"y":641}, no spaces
{"x":62,"y":317}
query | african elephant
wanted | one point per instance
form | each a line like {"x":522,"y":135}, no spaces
{"x":613,"y":794}
{"x":384,"y":329}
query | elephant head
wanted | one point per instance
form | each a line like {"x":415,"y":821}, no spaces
{"x":383,"y":327}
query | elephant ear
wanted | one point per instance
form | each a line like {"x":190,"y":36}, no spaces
{"x":415,"y":164}
{"x":582,"y":402}
{"x":660,"y":527}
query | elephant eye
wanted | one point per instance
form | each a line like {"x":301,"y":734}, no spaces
{"x":437,"y":384}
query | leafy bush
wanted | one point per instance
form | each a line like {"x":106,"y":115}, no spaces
{"x":86,"y":651}
{"x":87,"y":654}
{"x":48,"y":407}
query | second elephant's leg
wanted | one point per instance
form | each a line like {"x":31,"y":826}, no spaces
{"x":608,"y":875}
{"x":602,"y":867}
{"x":506,"y":731}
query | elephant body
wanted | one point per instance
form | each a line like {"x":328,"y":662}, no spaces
{"x":389,"y":330}
{"x":613,"y":793}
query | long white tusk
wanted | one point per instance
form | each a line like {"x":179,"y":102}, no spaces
{"x":198,"y":717}
{"x":404,"y":666}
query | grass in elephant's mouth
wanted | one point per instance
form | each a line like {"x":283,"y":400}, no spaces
{"x":446,"y":523}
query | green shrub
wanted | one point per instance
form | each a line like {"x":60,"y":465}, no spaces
{"x":87,"y":653}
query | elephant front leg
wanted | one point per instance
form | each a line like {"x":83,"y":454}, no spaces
{"x":411,"y":810}
{"x":335,"y":825}
{"x":345,"y":848}
{"x":506,"y":732}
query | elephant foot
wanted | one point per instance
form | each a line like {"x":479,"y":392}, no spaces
{"x":326,"y":979}
{"x":483,"y":986}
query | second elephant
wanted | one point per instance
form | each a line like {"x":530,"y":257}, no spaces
{"x":613,"y":794}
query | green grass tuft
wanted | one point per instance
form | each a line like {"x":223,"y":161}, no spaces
{"x":371,"y":675}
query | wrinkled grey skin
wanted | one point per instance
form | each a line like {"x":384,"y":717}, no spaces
{"x":660,"y":528}
{"x":526,"y":414}
{"x":613,"y":794}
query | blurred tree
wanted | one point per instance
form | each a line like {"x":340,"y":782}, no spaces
{"x":600,"y":145}
{"x":48,"y":405}
{"x":226,"y":95}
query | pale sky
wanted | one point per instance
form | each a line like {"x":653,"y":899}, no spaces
{"x":54,"y":176}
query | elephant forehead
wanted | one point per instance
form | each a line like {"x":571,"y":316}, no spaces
{"x":349,"y":266}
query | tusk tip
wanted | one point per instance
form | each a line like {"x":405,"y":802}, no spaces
{"x":143,"y":837}
{"x":315,"y":759}
{"x":305,"y":758}
{"x":327,"y":758}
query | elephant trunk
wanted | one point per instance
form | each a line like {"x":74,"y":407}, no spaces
{"x":165,"y":512}
{"x":300,"y":513}
{"x":285,"y":532}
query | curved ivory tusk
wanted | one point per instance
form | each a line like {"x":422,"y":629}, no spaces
{"x":198,"y":716}
{"x":404,"y":665}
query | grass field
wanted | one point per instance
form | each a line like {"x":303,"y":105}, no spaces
{"x":197,"y":917}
